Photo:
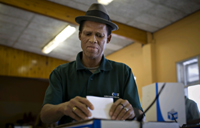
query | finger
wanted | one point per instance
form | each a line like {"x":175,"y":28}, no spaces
{"x":84,"y":109}
{"x":80,"y":114}
{"x":121,"y":114}
{"x":79,"y":103}
{"x":124,"y":111}
{"x":114,"y":106}
{"x":74,"y":116}
{"x":128,"y":115}
{"x":116,"y":112}
{"x":125,"y":103}
{"x":119,"y":110}
{"x":132,"y":114}
{"x":86,"y":102}
{"x":121,"y":103}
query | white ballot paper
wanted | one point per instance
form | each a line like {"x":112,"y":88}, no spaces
{"x":101,"y":105}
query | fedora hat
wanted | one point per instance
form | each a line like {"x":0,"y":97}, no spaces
{"x":97,"y":13}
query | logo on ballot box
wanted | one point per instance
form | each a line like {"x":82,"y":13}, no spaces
{"x":172,"y":115}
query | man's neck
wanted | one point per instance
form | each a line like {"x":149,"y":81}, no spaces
{"x":89,"y":62}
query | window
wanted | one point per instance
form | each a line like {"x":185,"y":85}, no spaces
{"x":188,"y":71}
{"x":188,"y":74}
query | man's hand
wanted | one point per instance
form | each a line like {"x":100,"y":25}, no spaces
{"x":77,"y":109}
{"x":121,"y":110}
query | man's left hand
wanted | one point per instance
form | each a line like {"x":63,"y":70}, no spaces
{"x":121,"y":110}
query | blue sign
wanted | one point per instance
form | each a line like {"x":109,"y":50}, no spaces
{"x":172,"y":115}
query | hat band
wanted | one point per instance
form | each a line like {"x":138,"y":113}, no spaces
{"x":98,"y":14}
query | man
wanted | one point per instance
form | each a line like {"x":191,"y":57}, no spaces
{"x":192,"y":111}
{"x":90,"y":74}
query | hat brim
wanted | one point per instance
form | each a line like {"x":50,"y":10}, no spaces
{"x":78,"y":19}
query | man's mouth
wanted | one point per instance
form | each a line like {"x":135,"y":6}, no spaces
{"x":92,"y":47}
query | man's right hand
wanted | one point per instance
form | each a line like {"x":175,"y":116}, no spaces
{"x":77,"y":109}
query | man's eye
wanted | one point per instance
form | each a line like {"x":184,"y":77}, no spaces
{"x":99,"y":35}
{"x":87,"y":34}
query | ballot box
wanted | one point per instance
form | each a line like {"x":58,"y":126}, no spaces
{"x":170,"y":106}
{"x":102,"y":123}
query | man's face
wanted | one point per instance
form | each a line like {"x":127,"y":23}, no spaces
{"x":93,"y":39}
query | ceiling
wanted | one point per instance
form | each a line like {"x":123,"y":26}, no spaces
{"x":30,"y":32}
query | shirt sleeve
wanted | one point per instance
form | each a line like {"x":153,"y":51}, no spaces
{"x":54,"y":91}
{"x":130,"y":90}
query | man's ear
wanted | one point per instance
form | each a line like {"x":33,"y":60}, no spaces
{"x":109,"y":38}
{"x":79,"y":35}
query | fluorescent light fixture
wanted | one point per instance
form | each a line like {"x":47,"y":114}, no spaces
{"x":62,"y":36}
{"x":104,"y":2}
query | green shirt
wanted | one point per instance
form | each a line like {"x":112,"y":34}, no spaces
{"x":73,"y":79}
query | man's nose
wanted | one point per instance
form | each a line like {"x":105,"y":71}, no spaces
{"x":93,"y":39}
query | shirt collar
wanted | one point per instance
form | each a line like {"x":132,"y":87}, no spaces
{"x":105,"y":64}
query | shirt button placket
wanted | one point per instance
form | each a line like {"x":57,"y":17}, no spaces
{"x":89,"y":88}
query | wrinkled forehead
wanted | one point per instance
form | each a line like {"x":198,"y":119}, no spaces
{"x":91,"y":25}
